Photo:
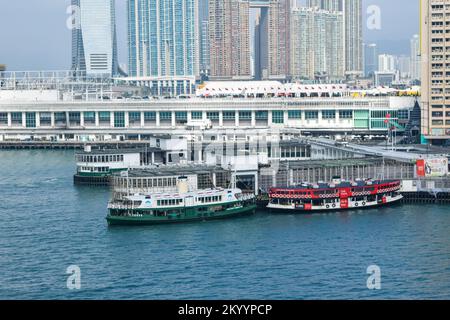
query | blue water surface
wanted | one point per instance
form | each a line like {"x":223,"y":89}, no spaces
{"x":47,"y":224}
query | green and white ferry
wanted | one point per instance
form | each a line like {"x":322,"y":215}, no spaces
{"x":180,"y":206}
{"x":95,"y":167}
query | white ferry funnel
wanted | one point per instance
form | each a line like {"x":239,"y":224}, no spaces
{"x":183,"y":185}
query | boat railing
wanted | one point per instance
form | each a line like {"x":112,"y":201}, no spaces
{"x":120,"y":206}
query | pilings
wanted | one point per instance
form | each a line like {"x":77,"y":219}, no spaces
{"x":426,"y":197}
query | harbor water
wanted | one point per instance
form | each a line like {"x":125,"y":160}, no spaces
{"x":47,"y":224}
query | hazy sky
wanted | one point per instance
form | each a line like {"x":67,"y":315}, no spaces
{"x":34,"y":36}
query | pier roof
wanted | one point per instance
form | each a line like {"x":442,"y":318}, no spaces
{"x":171,"y":171}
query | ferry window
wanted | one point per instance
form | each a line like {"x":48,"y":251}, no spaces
{"x":95,"y":159}
{"x":158,"y":202}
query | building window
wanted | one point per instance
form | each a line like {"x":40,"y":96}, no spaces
{"x":165,"y":116}
{"x":16,"y":118}
{"x":437,"y":122}
{"x":212,"y":115}
{"x":89,"y":118}
{"x":134,"y":118}
{"x":104,"y":117}
{"x":294,"y":114}
{"x":229,"y":115}
{"x":119,"y":119}
{"x":30,"y":119}
{"x":245,"y":115}
{"x":278,"y":117}
{"x":328,"y":114}
{"x":74,"y":118}
{"x":346,"y":114}
{"x":3,"y":118}
{"x":403,"y":114}
{"x":197,"y":115}
{"x":311,"y":115}
{"x":45,"y":119}
{"x":181,"y":117}
{"x":262,"y":115}
{"x":60,"y":118}
{"x":149,"y":116}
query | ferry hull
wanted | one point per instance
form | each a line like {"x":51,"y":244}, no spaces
{"x":136,"y":221}
{"x":287,"y":210}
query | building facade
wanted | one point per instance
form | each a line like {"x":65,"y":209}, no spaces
{"x":415,"y":57}
{"x":370,"y":59}
{"x":435,"y":54}
{"x":229,"y":39}
{"x":353,"y":26}
{"x":104,"y":120}
{"x":94,"y":41}
{"x":279,"y":39}
{"x":317,"y":44}
{"x":203,"y":25}
{"x":386,"y":63}
{"x":163,"y":38}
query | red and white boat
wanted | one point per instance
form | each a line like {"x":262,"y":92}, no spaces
{"x":338,"y":195}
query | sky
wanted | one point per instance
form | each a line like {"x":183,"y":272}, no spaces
{"x":34,"y":36}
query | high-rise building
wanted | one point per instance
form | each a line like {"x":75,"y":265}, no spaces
{"x":94,"y":42}
{"x":332,"y":5}
{"x":435,"y":98}
{"x":404,"y":67}
{"x":205,"y":58}
{"x":386,"y":63}
{"x":370,"y":59}
{"x":317,"y":44}
{"x":261,"y":46}
{"x":353,"y":25}
{"x":229,"y":39}
{"x":415,"y":57}
{"x":203,"y":24}
{"x":279,"y":39}
{"x":352,"y":35}
{"x":329,"y":5}
{"x":163,"y":38}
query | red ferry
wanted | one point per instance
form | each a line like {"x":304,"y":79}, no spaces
{"x":338,"y":195}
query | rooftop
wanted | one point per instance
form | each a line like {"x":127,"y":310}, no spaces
{"x":177,"y":170}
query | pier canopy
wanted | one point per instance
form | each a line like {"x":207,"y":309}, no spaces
{"x":269,"y":88}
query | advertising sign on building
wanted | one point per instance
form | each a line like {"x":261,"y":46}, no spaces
{"x":436,"y":167}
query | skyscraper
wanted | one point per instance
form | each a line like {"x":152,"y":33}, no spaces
{"x":370,"y":59}
{"x":203,"y":24}
{"x":331,"y":5}
{"x":415,"y":57}
{"x":317,"y":44}
{"x":353,"y":37}
{"x":163,"y":38}
{"x":386,"y":63}
{"x":229,"y":37}
{"x":94,"y":44}
{"x":279,"y":39}
{"x":435,"y":100}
